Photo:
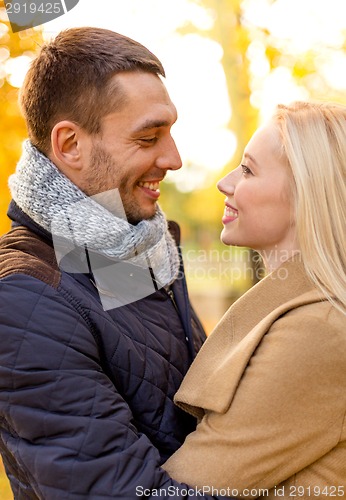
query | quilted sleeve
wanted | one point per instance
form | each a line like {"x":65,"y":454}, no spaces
{"x":65,"y":431}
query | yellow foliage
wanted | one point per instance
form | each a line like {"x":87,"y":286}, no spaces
{"x":273,"y":56}
{"x":5,"y":489}
{"x":12,"y":125}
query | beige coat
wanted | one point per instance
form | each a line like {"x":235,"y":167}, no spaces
{"x":269,"y":386}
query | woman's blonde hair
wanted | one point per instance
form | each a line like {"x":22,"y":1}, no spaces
{"x":313,"y":137}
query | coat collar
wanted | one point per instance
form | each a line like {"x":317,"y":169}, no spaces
{"x":213,"y":377}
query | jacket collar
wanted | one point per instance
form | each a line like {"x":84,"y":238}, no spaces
{"x":224,"y":356}
{"x":279,"y":287}
{"x":20,"y":218}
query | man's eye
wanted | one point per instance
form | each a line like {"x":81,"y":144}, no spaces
{"x":246,"y":170}
{"x":148,"y":140}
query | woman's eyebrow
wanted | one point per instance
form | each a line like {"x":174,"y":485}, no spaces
{"x":247,"y":155}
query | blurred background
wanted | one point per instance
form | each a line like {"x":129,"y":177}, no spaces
{"x":228,"y":63}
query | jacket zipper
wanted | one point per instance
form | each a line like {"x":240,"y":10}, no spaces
{"x":171,"y":296}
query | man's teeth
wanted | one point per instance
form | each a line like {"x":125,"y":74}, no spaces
{"x":231,"y":213}
{"x":154,"y":186}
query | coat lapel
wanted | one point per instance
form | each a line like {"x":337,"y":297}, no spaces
{"x":212,"y":380}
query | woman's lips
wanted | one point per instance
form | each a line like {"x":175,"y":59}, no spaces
{"x":230,"y":214}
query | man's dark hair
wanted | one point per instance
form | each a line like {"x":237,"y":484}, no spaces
{"x":70,"y":80}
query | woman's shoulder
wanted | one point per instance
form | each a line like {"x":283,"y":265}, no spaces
{"x":313,"y":309}
{"x":310,"y":333}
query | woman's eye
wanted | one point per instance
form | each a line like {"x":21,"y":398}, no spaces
{"x":246,"y":170}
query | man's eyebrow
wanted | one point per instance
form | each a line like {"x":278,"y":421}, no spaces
{"x":149,"y":124}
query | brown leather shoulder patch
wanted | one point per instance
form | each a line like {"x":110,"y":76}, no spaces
{"x":23,"y":252}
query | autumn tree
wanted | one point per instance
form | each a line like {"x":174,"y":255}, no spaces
{"x":16,"y":49}
{"x":229,"y":31}
{"x":237,"y":36}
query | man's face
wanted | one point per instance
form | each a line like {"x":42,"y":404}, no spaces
{"x":135,"y":148}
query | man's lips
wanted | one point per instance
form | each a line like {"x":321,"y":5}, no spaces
{"x":151,"y":188}
{"x":153,"y":185}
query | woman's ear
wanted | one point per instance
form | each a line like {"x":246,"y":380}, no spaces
{"x":66,"y":147}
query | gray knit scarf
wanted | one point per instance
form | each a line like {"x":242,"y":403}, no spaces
{"x":57,"y":205}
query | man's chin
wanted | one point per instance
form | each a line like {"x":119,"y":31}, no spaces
{"x":135,"y":219}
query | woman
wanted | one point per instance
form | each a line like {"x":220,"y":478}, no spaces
{"x":269,"y":385}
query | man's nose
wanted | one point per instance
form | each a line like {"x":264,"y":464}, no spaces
{"x":169,"y":158}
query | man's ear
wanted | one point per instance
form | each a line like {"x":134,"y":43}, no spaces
{"x":66,"y":138}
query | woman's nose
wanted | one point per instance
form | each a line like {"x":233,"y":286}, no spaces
{"x":228,"y":183}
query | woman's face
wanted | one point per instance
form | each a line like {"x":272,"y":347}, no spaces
{"x":259,"y":200}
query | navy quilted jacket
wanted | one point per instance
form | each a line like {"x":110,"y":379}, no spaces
{"x":86,"y":395}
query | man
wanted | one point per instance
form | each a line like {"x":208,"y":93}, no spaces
{"x":96,"y":330}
